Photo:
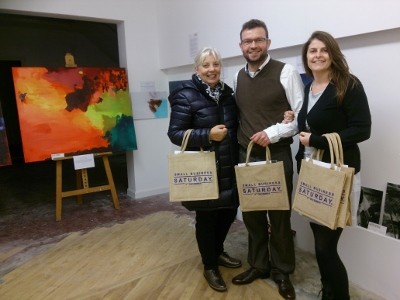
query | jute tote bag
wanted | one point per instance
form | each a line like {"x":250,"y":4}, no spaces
{"x":192,"y":175}
{"x":261,"y":185}
{"x":319,"y":191}
{"x":344,"y":211}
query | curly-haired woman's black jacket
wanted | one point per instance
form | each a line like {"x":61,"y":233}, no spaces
{"x":193,"y":108}
{"x":351,"y":120}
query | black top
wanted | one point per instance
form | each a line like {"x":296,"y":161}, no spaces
{"x":351,"y":120}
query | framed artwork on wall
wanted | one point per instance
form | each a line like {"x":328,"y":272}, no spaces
{"x":73,"y":111}
{"x":391,"y":213}
{"x":5,"y":157}
{"x":370,"y":206}
{"x":174,"y":84}
{"x":305,"y":78}
{"x":150,"y":105}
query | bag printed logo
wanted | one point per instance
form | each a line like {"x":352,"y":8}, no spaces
{"x":193,"y":178}
{"x":262,"y":188}
{"x":316,"y":194}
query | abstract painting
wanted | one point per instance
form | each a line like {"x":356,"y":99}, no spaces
{"x":73,"y":111}
{"x":5,"y":157}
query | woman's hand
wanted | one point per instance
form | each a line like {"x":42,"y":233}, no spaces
{"x":218,"y":133}
{"x":288,"y":117}
{"x":304,"y":138}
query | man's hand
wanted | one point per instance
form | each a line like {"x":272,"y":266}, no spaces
{"x":260,"y":138}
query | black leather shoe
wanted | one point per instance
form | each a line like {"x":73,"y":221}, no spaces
{"x":226,"y":261}
{"x":286,"y":289}
{"x":215,"y":280}
{"x":249,"y":276}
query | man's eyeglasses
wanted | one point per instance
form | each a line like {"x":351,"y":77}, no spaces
{"x":258,"y":41}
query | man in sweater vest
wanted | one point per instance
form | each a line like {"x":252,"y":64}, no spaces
{"x":265,"y":89}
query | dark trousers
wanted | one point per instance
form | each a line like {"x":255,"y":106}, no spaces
{"x":333,"y":272}
{"x":271,"y":253}
{"x":211,"y":230}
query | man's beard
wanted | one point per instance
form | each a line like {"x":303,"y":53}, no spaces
{"x":260,"y":60}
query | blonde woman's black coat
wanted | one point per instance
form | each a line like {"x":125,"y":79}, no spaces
{"x":193,"y":108}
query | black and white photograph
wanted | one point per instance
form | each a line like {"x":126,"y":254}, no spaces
{"x":391,"y":214}
{"x":369,"y":209}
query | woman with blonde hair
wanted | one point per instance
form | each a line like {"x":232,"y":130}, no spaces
{"x":207,"y":105}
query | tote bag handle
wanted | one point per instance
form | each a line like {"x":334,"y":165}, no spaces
{"x":267,"y":153}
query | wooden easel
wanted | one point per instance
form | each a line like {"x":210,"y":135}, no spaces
{"x":82,"y":184}
{"x":82,"y":178}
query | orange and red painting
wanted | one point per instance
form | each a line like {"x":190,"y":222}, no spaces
{"x":73,"y":111}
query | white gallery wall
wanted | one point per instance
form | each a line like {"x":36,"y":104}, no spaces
{"x":218,"y":22}
{"x":157,"y":39}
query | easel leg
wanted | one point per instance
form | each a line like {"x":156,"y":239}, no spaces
{"x":79,"y":185}
{"x":82,"y":185}
{"x":111,"y":181}
{"x":58,"y":189}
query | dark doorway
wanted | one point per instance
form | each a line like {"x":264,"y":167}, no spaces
{"x":43,"y":42}
{"x":9,"y":107}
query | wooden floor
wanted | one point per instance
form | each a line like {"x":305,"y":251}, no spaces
{"x":145,"y":250}
{"x":154,"y":257}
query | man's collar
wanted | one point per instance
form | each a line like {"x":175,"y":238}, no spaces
{"x":252,"y":74}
